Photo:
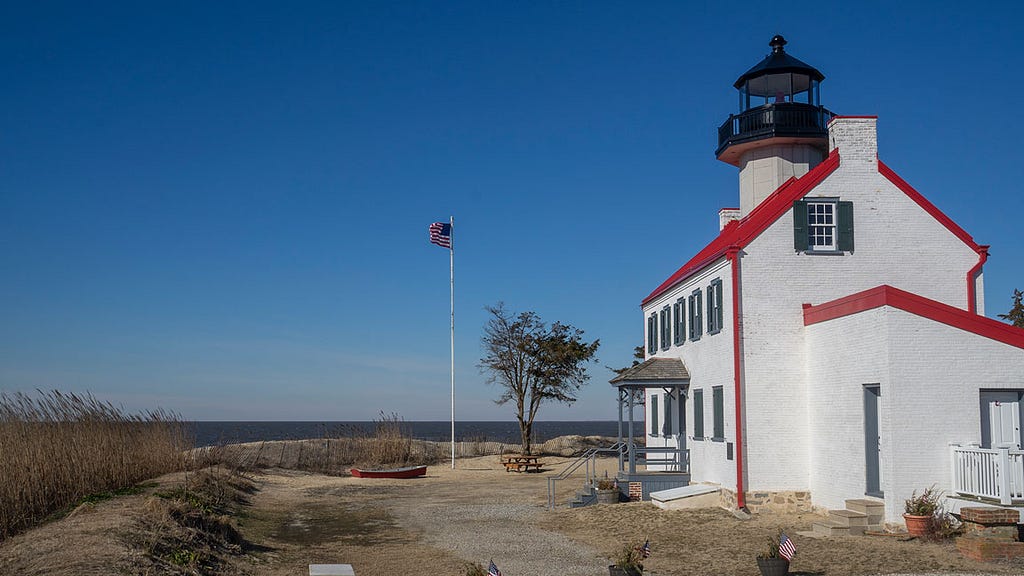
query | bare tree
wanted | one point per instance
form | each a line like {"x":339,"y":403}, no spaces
{"x":533,"y":363}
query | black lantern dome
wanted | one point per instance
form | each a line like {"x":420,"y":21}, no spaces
{"x":780,"y":97}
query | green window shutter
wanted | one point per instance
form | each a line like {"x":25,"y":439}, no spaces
{"x":692,"y":312}
{"x":844,"y":223}
{"x":800,"y":242}
{"x":718,"y":405}
{"x":666,"y":328}
{"x":652,"y":334}
{"x":666,"y":427}
{"x":718,"y":310}
{"x":654,"y":414}
{"x":711,"y":310}
{"x":698,"y":413}
{"x":679,"y":312}
{"x":698,"y":319}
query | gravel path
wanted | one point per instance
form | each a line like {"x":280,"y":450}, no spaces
{"x":502,"y":532}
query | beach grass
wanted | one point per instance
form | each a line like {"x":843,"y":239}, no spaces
{"x":58,"y":449}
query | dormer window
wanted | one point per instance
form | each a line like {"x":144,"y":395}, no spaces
{"x":822,"y":226}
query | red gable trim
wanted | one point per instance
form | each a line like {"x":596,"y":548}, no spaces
{"x":928,"y":206}
{"x":740,"y":232}
{"x":919,"y":305}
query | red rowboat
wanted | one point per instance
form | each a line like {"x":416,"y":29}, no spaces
{"x":407,"y":472}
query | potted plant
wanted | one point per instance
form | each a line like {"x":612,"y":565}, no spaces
{"x":919,"y":511}
{"x":607,"y":491}
{"x":628,"y":562}
{"x":769,"y":561}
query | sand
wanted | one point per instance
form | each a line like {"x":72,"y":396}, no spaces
{"x":475,"y":513}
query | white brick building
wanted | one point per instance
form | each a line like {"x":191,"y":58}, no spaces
{"x":833,"y":333}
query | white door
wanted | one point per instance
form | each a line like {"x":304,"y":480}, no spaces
{"x":1004,"y":423}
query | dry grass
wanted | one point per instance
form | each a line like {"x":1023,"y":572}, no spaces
{"x":56,"y":449}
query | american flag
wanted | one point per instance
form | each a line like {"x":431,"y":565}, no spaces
{"x":441,"y":234}
{"x":786,"y":548}
{"x":645,"y":550}
{"x":492,"y":570}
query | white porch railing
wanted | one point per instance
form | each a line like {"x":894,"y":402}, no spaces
{"x":988,"y":473}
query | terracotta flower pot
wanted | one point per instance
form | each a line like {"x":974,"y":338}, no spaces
{"x":773,"y":566}
{"x":918,"y":525}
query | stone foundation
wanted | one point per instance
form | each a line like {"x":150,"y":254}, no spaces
{"x":758,"y":501}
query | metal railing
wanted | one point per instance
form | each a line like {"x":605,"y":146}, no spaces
{"x":588,"y":460}
{"x":780,"y":119}
{"x":996,"y":473}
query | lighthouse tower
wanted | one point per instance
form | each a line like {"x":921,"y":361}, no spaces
{"x":781,"y":128}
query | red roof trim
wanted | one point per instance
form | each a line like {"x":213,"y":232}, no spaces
{"x":740,"y":232}
{"x":928,"y":206}
{"x":919,"y":305}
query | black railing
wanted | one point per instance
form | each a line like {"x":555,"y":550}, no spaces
{"x":770,"y":120}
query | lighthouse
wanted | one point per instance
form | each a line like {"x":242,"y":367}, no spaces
{"x":781,"y":129}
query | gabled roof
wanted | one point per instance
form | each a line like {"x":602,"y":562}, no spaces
{"x":740,"y":232}
{"x":886,"y":295}
{"x":654,"y":372}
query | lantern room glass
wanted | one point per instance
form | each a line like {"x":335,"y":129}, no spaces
{"x":779,"y":88}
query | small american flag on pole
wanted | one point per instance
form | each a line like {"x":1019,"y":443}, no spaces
{"x":441,"y":234}
{"x":645,"y":550}
{"x":786,"y":547}
{"x":492,"y":570}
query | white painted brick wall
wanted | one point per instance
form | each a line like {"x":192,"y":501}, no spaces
{"x":896,"y":243}
{"x":709,"y":361}
{"x":930,"y":376}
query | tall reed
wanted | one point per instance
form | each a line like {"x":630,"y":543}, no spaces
{"x":57,"y":448}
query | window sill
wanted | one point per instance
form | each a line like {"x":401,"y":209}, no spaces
{"x":825,"y":252}
{"x":717,"y":439}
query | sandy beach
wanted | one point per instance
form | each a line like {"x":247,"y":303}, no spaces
{"x":474,"y":513}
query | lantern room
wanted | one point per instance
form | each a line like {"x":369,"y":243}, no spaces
{"x":781,"y":129}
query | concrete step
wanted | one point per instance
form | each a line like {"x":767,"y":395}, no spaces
{"x":848,"y":517}
{"x":834,"y":528}
{"x":872,"y":508}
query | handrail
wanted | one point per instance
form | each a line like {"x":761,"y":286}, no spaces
{"x":586,"y":459}
{"x":996,"y":473}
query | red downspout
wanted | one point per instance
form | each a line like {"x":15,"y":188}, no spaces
{"x":732,"y":253}
{"x":972,"y":304}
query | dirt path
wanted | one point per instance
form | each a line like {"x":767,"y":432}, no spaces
{"x":475,"y":513}
{"x":438,"y":523}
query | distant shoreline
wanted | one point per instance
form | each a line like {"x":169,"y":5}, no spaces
{"x":213,"y":433}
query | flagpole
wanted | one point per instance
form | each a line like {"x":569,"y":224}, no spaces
{"x":451,"y":267}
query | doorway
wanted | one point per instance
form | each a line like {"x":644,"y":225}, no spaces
{"x":1001,"y":418}
{"x":873,"y":455}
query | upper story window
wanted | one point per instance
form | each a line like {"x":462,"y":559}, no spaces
{"x":679,"y":315}
{"x":652,"y":334}
{"x":696,"y":319}
{"x":715,"y":306}
{"x":823,"y":226}
{"x":666,"y":329}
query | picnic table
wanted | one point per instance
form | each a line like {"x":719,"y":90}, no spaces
{"x":520,"y":463}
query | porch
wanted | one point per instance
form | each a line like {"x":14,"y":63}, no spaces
{"x":991,"y":476}
{"x":664,"y":467}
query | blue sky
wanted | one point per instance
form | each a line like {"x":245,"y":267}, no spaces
{"x":221,"y":209}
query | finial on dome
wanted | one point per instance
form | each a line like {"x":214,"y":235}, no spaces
{"x":777,"y":44}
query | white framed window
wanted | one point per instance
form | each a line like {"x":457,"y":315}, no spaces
{"x":821,"y":226}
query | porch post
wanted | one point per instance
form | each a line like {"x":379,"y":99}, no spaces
{"x":619,"y":394}
{"x":632,"y":450}
{"x":1004,"y":475}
